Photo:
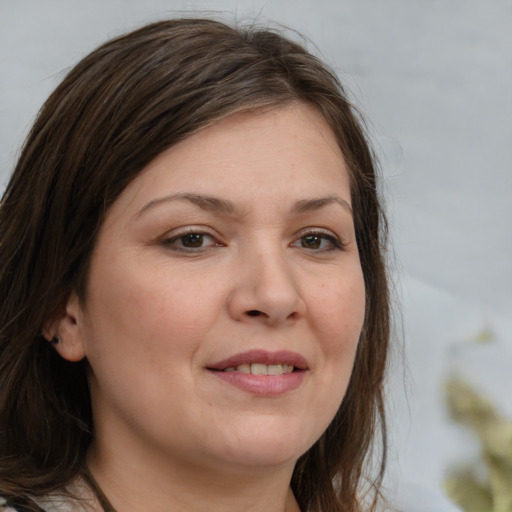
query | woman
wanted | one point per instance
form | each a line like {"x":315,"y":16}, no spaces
{"x":195,"y":308}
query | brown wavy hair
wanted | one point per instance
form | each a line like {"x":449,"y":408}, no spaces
{"x":118,"y":109}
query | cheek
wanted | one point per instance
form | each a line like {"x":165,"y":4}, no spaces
{"x":337,"y":312}
{"x":339,"y":316}
{"x":143,"y":329}
{"x":149,"y":309}
{"x":339,"y":309}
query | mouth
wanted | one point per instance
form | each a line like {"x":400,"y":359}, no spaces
{"x":262,"y":369}
{"x":262,"y":362}
{"x":263,"y":373}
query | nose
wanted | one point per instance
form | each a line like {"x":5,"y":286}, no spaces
{"x":265,"y":289}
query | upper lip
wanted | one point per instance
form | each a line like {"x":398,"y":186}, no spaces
{"x":262,"y":357}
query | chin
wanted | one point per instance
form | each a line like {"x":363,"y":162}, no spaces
{"x":271,"y":446}
{"x":257,"y":458}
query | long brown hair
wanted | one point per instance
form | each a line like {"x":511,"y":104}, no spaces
{"x":118,"y":109}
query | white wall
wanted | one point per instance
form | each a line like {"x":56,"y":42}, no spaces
{"x":435,"y":79}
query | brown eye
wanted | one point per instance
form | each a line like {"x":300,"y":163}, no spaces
{"x":319,"y":241}
{"x":311,"y":241}
{"x":193,"y":240}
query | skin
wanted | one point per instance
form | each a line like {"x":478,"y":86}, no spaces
{"x":177,"y":284}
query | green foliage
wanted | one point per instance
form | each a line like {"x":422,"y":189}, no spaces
{"x":492,"y":491}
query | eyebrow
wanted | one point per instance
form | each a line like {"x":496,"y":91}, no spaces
{"x":225,"y":206}
{"x":307,"y":205}
{"x":209,"y":203}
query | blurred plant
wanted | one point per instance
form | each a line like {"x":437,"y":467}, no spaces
{"x":486,"y":335}
{"x":490,"y":490}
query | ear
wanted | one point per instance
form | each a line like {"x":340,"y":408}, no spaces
{"x":65,"y":330}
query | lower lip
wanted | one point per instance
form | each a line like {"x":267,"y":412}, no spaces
{"x":263,"y":385}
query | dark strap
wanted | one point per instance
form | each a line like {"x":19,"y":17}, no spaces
{"x":100,"y":496}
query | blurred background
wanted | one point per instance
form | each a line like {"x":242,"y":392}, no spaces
{"x":434,"y":80}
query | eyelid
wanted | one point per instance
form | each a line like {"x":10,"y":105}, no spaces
{"x":337,"y":242}
{"x":174,"y":235}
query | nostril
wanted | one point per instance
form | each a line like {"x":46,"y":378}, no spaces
{"x":254,"y":312}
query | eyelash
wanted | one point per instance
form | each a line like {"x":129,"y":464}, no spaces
{"x":170,"y":242}
{"x":334,"y":242}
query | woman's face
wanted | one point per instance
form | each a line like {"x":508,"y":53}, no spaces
{"x":225,"y":297}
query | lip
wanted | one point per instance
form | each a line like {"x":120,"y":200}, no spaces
{"x":262,"y":385}
{"x":263,"y":357}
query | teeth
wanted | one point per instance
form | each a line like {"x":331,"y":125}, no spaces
{"x":275,"y":369}
{"x":262,"y":369}
{"x":259,"y":369}
{"x":244,"y":368}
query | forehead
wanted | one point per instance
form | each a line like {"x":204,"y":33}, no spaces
{"x":249,"y":157}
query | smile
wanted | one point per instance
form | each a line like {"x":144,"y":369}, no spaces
{"x":263,"y":373}
{"x":261,"y":369}
{"x":262,"y":362}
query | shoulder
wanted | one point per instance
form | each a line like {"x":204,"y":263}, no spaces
{"x":47,"y":504}
{"x":6,"y":506}
{"x":75,"y":497}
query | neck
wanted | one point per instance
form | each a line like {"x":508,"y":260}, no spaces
{"x":133,"y":484}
